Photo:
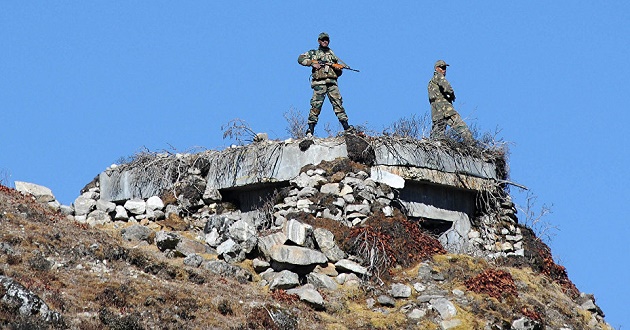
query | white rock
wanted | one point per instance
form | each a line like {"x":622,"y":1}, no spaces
{"x":330,"y":188}
{"x":42,"y":194}
{"x":388,"y":211}
{"x":83,"y":205}
{"x":121,"y":213}
{"x":443,"y":306}
{"x":297,"y":232}
{"x":154,"y":203}
{"x":351,"y":266}
{"x":136,"y":206}
{"x":388,"y":178}
{"x":105,"y":206}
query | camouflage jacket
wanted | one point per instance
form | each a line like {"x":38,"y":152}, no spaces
{"x":440,"y":90}
{"x":325,"y":74}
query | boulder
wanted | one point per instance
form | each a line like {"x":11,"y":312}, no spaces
{"x":265,"y":243}
{"x":260,"y":265}
{"x":444,"y":307}
{"x":358,"y":208}
{"x":222,"y":268}
{"x":213,"y":238}
{"x":400,"y":290}
{"x":136,"y":206}
{"x":284,"y":280}
{"x":193,"y":260}
{"x":307,"y":192}
{"x":136,"y":233}
{"x":27,"y":303}
{"x":154,"y":203}
{"x":321,"y":281}
{"x":105,"y":206}
{"x":98,"y":218}
{"x":231,"y":251}
{"x":189,"y":247}
{"x":330,"y":188}
{"x":211,"y":195}
{"x":345,"y":265}
{"x":385,"y":300}
{"x":120,"y":213}
{"x":166,"y":241}
{"x":41,"y":193}
{"x":326,"y":242}
{"x":359,"y":150}
{"x":525,"y":323}
{"x":83,"y":205}
{"x":244,"y":234}
{"x":388,"y":178}
{"x":297,"y":232}
{"x":296,"y":255}
{"x":308,"y":294}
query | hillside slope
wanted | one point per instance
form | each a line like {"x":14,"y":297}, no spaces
{"x":224,"y":240}
{"x":92,"y":279}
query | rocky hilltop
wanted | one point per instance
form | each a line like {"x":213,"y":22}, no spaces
{"x":352,"y":232}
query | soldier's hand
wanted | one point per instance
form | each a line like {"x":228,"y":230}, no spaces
{"x":337,"y":66}
{"x":316,"y":64}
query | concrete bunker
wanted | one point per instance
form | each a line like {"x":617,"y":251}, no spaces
{"x":252,"y":197}
{"x":436,"y":186}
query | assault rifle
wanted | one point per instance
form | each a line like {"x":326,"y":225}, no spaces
{"x":343,"y":65}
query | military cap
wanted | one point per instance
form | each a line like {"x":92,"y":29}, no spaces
{"x":440,"y":63}
{"x":322,"y":36}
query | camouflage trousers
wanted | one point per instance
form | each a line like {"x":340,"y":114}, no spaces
{"x":445,"y":115}
{"x":319,"y":94}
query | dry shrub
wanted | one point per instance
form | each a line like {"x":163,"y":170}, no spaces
{"x":259,"y":318}
{"x":114,"y":321}
{"x":556,"y":272}
{"x":412,"y":127}
{"x":384,"y":242}
{"x":339,"y":230}
{"x":225,"y":308}
{"x":296,"y":122}
{"x":531,"y":313}
{"x":116,"y":297}
{"x":39,"y":263}
{"x":541,"y":260}
{"x":271,"y":318}
{"x":284,"y":297}
{"x":238,"y":130}
{"x":493,"y":282}
{"x":13,"y":259}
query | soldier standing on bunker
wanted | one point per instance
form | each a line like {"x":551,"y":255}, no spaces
{"x":441,"y":97}
{"x":325,"y":69}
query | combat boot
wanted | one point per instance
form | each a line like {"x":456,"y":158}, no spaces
{"x":311,"y":130}
{"x":346,"y":127}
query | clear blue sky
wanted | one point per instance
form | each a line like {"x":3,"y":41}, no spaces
{"x":84,"y":83}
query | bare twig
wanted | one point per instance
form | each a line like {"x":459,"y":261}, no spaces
{"x":5,"y":177}
{"x":534,"y":218}
{"x":296,"y":123}
{"x":238,"y":130}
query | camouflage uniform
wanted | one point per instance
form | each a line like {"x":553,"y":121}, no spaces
{"x":441,"y":97}
{"x":324,"y":82}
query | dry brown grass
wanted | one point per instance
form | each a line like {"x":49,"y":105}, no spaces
{"x":97,"y":281}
